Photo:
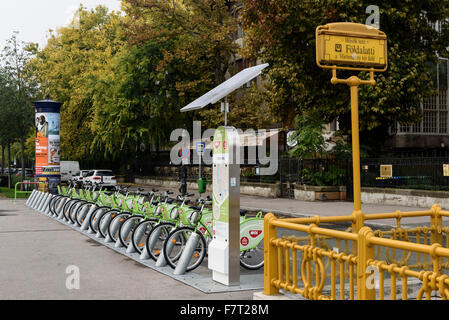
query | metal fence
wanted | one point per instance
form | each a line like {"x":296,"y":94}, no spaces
{"x":425,"y":173}
{"x":410,"y":173}
{"x":430,"y":173}
{"x":322,"y":263}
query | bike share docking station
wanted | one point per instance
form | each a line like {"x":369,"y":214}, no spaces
{"x":199,"y":279}
{"x":224,"y":251}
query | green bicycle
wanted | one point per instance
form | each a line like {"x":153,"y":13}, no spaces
{"x":251,"y":240}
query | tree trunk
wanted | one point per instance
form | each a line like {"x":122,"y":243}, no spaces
{"x":3,"y":159}
{"x":9,"y":165}
{"x":22,"y":151}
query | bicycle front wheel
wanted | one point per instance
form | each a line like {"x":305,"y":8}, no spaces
{"x":127,"y":228}
{"x":253,"y":259}
{"x":140,"y":233}
{"x":115,"y":224}
{"x":178,"y":240}
{"x":156,"y":238}
{"x":81,"y":213}
{"x":105,"y":220}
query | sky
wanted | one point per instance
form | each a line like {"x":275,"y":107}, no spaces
{"x":33,"y":18}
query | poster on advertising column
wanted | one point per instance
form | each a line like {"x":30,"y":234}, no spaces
{"x":47,"y":144}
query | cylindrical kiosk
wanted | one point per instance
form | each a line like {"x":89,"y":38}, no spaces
{"x":47,"y":143}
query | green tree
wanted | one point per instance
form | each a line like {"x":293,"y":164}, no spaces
{"x":197,"y":41}
{"x":70,"y":68}
{"x":282,"y":33}
{"x":308,"y":136}
{"x":19,"y":88}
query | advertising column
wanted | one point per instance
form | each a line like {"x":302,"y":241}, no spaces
{"x":47,"y":143}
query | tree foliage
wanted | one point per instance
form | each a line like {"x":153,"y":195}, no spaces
{"x":282,"y":33}
{"x":18,"y":88}
{"x":123,"y":78}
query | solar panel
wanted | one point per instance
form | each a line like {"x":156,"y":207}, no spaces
{"x":225,"y":88}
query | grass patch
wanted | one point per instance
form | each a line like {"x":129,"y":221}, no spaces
{"x":9,"y":193}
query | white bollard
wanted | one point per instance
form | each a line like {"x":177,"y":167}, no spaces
{"x":47,"y":202}
{"x":60,"y":210}
{"x":38,"y":202}
{"x":85,"y":217}
{"x":30,"y":199}
{"x":130,"y":248}
{"x":57,"y":207}
{"x":139,"y":235}
{"x":47,"y":207}
{"x":27,"y":203}
{"x":115,"y":225}
{"x":126,"y":230}
{"x":161,"y":262}
{"x":74,"y":207}
{"x":86,"y":225}
{"x":187,"y":254}
{"x":44,"y":202}
{"x":104,"y":228}
{"x":144,"y":254}
{"x":35,"y":200}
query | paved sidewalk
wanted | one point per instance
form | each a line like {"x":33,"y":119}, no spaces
{"x":35,"y":252}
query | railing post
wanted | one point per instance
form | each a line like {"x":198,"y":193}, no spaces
{"x":436,"y":224}
{"x":357,"y":224}
{"x":270,"y":256}
{"x":365,"y":252}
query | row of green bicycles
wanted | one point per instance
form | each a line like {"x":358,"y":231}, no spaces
{"x":156,"y":225}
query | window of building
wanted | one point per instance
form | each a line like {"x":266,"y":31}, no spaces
{"x":435,"y":108}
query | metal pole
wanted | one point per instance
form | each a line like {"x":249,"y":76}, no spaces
{"x":355,"y":144}
{"x":226,"y":111}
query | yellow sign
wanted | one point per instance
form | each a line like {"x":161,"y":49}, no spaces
{"x":351,"y":44}
{"x":386,"y":170}
{"x":446,"y":170}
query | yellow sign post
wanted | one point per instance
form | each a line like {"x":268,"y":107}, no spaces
{"x":357,"y":47}
{"x":351,"y":44}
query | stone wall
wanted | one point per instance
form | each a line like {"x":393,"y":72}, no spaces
{"x":388,"y":196}
{"x":314,"y":193}
{"x":269,"y":190}
{"x":405,"y":197}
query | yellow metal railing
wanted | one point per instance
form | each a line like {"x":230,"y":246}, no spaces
{"x":358,"y":263}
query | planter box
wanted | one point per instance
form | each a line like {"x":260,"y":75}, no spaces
{"x":314,"y":193}
{"x":405,"y":197}
{"x":269,"y":190}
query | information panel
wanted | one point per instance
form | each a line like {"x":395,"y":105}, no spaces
{"x":224,"y":249}
{"x":351,"y":44}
